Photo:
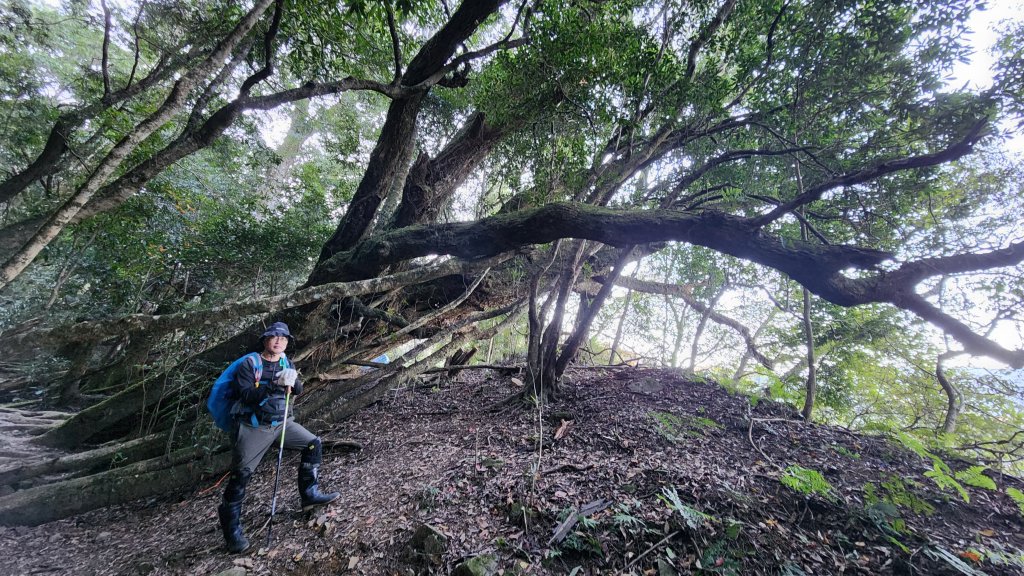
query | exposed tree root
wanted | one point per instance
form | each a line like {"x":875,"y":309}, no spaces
{"x":153,"y":477}
{"x":36,"y":467}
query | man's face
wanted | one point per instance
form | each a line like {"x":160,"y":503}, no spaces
{"x":275,"y":344}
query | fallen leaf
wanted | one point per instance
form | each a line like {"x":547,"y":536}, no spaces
{"x":971,"y":555}
{"x":987,"y":533}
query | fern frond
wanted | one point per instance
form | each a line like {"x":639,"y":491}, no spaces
{"x":974,"y":476}
{"x":1018,"y":497}
{"x":946,"y":482}
{"x":693,"y":518}
{"x":806,"y":481}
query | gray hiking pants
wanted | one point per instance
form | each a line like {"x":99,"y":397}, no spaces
{"x":253,"y":442}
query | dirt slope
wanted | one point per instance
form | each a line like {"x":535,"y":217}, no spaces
{"x":672,"y":477}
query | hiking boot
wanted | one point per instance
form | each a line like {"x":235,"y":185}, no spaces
{"x":309,"y":492}
{"x":232,"y":527}
{"x":230,"y":513}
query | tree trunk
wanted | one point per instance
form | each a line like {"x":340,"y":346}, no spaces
{"x":103,"y":458}
{"x":747,"y":353}
{"x":579,"y":335}
{"x":812,"y":381}
{"x":702,"y":323}
{"x":540,"y":385}
{"x":954,"y":398}
{"x":619,"y":327}
{"x":67,"y":390}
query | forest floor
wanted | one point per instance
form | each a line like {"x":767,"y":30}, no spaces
{"x":632,"y":471}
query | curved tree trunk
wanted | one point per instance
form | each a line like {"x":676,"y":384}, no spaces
{"x":954,"y":398}
{"x":705,"y":315}
{"x":583,"y":323}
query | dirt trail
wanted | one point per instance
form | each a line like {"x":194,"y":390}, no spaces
{"x":685,"y":477}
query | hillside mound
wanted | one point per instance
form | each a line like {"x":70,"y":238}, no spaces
{"x":632,"y":471}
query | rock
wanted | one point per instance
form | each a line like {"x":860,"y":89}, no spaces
{"x":521,"y":515}
{"x":482,"y":565}
{"x":233,"y":571}
{"x":427,"y":543}
{"x":647,"y":386}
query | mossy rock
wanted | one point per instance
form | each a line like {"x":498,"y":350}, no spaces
{"x":482,"y":565}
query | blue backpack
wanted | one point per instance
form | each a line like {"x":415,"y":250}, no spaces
{"x":223,"y":395}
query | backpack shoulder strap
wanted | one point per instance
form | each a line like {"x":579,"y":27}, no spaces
{"x":257,"y":365}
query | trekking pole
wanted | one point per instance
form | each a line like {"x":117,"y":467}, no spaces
{"x":277,"y":475}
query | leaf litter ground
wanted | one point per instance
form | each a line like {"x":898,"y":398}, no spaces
{"x":632,"y":471}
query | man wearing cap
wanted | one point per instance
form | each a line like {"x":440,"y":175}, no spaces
{"x":259,"y":414}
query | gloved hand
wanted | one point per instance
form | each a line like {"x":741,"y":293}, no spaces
{"x":287,"y":377}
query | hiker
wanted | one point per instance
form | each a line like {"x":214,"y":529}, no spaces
{"x":258,"y":413}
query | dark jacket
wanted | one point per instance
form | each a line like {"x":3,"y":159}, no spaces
{"x":264,"y":398}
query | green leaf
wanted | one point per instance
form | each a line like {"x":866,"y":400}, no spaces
{"x":1017,"y":497}
{"x":974,"y":476}
{"x":946,"y":482}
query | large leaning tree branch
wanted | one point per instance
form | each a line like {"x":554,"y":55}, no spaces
{"x":125,"y":186}
{"x":819,"y":268}
{"x":684,"y":293}
{"x":509,"y":231}
{"x":94,"y":330}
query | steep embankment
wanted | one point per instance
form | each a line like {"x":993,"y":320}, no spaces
{"x":670,"y":475}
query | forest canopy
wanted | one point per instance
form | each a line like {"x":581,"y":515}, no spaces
{"x":788,"y":196}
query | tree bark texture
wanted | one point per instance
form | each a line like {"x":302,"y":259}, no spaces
{"x":811,"y":384}
{"x":153,"y":477}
